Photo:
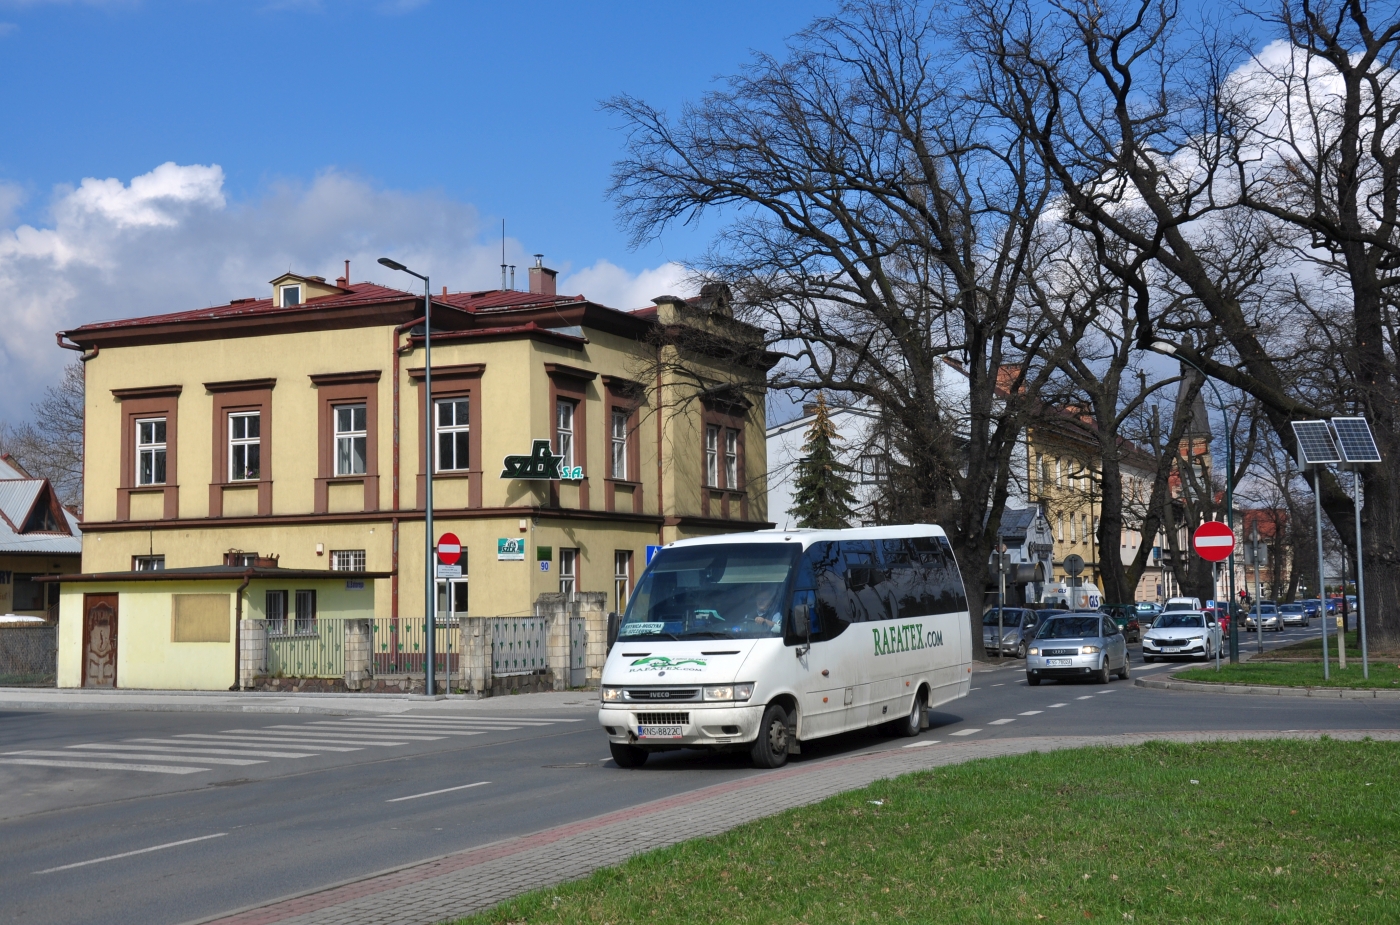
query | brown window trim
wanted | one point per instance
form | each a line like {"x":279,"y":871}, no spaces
{"x":571,"y":383}
{"x":343,"y":389}
{"x":726,"y":415}
{"x":462,"y":380}
{"x":235,"y":396}
{"x":150,"y":401}
{"x":626,"y":396}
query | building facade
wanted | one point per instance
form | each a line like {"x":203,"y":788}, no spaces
{"x":38,"y":536}
{"x":567,"y":436}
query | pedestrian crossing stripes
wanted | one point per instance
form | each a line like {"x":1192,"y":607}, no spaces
{"x":195,"y":752}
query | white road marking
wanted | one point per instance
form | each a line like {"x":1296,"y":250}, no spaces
{"x":330,"y":736}
{"x":1001,"y":722}
{"x":977,"y":688}
{"x":1085,"y":697}
{"x":965,"y":732}
{"x":439,"y":733}
{"x":1104,"y":692}
{"x":127,"y":854}
{"x":1032,"y":712}
{"x":290,"y":738}
{"x":1054,"y":705}
{"x":921,"y":744}
{"x":519,"y":721}
{"x":199,"y":737}
{"x":176,"y":751}
{"x":1002,"y":684}
{"x":203,"y":759}
{"x":433,"y":793}
{"x":102,"y":766}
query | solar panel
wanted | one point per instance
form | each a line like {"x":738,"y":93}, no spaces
{"x":1315,"y":444}
{"x":1354,"y":436}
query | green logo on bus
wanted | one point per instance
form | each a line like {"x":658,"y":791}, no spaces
{"x":661,"y":661}
{"x":906,"y":638}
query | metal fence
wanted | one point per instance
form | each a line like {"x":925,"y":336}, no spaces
{"x":317,"y":650}
{"x":400,"y":646}
{"x":518,"y":646}
{"x":28,"y":656}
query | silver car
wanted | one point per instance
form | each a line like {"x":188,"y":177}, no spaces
{"x":1079,"y":644}
{"x":1294,"y":615}
{"x":1268,"y":615}
{"x":1182,"y":634}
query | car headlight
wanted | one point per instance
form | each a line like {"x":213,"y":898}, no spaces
{"x":1088,"y":650}
{"x":735,"y":692}
{"x":1148,"y":641}
{"x":612,"y":693}
{"x":1034,"y":650}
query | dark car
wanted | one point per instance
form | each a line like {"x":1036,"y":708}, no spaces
{"x":1311,"y":606}
{"x":1018,"y":628}
{"x":1126,"y":616}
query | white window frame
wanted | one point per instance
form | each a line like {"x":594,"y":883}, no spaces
{"x":296,"y":297}
{"x":568,"y":572}
{"x":453,"y":431}
{"x":245,"y":443}
{"x":349,"y":437}
{"x":305,"y":613}
{"x":148,"y":563}
{"x":712,"y":455}
{"x":156,"y":450}
{"x":622,"y":578}
{"x":731,"y":459}
{"x":565,"y":412}
{"x":619,"y":444}
{"x":347,"y":560}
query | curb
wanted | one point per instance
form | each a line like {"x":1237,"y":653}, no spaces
{"x":1260,"y":690}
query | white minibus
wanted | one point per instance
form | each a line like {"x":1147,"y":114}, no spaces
{"x":759,"y":641}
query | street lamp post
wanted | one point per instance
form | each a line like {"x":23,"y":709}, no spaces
{"x":1167,"y":348}
{"x":429,"y":572}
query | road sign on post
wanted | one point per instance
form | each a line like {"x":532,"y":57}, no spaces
{"x":449,"y":549}
{"x":1213,"y":541}
{"x":1074,"y":565}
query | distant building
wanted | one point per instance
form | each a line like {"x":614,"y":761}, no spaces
{"x":38,"y":536}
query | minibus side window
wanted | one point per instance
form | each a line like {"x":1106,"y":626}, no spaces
{"x":865,"y":581}
{"x":833,"y":598}
{"x":939,"y":587}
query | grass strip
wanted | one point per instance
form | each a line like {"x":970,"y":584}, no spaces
{"x":1384,"y":675}
{"x":1312,"y":648}
{"x":1274,"y":831}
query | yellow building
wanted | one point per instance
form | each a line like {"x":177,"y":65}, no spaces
{"x":291,"y":426}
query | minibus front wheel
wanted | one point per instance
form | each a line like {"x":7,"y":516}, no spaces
{"x":770,"y":749}
{"x":627,"y":756}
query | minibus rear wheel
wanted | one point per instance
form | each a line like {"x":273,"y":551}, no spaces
{"x":627,"y":756}
{"x":770,"y":749}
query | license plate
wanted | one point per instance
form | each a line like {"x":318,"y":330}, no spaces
{"x":1172,"y":649}
{"x":1059,"y":662}
{"x":658,"y":732}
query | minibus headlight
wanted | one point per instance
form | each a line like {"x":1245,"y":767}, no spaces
{"x":1088,"y":650}
{"x":739,"y":692}
{"x":612,"y":693}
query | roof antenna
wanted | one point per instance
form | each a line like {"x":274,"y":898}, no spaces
{"x":503,"y":253}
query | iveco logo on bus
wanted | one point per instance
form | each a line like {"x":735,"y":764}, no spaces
{"x":905,"y":638}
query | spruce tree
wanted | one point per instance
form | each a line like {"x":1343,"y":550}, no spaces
{"x":823,"y":497}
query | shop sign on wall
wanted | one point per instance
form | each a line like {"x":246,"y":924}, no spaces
{"x":510,"y":549}
{"x":541,"y":464}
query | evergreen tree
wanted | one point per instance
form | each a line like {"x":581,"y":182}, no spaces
{"x":823,"y":496}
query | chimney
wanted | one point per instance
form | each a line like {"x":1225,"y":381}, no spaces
{"x":344,"y":281}
{"x":542,"y":278}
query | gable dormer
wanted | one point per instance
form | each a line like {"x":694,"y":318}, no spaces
{"x":290,"y":289}
{"x":45,"y":515}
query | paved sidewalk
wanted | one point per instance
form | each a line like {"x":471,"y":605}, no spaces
{"x":455,"y":885}
{"x":29,"y":698}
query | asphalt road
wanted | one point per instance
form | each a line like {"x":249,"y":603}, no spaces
{"x":74,"y":840}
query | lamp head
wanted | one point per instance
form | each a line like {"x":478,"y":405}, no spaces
{"x":392,"y":264}
{"x":1161,"y":346}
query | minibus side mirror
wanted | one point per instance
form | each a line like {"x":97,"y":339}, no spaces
{"x":614,"y":619}
{"x":801,"y":613}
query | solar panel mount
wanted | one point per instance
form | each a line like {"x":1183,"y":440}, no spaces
{"x":1315,"y":446}
{"x":1356,"y":441}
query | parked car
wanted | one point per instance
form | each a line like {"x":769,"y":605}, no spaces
{"x":1018,"y":628}
{"x":1295,"y":615}
{"x":1268,"y":616}
{"x":1182,"y":634}
{"x":1147,"y":611}
{"x":1183,"y":603}
{"x":1126,"y":616}
{"x":1221,"y":616}
{"x":1312,"y":606}
{"x":1078,"y":644}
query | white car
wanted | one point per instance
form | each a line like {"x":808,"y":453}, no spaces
{"x":1181,"y":634}
{"x":1182,"y":603}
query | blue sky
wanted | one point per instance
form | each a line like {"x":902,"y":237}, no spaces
{"x":298,"y":134}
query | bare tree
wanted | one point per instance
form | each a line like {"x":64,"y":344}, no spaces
{"x":883,"y":220}
{"x":51,"y":446}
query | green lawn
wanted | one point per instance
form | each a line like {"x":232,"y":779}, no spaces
{"x":1312,"y":648}
{"x":1298,"y":832}
{"x":1298,"y":674}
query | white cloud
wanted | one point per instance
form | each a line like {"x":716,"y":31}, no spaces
{"x":172,"y":240}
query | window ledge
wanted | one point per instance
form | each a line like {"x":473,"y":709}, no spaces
{"x":158,"y":487}
{"x":632,"y":482}
{"x":345,"y":479}
{"x":456,"y":474}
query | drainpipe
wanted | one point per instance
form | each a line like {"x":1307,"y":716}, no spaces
{"x":238,"y":624}
{"x":88,"y":355}
{"x":660,"y":440}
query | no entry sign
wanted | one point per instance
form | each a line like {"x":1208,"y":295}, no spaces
{"x":449,"y":549}
{"x":1213,"y":541}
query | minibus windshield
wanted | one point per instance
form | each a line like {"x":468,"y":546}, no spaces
{"x":721,"y":591}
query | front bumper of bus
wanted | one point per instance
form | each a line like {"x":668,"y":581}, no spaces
{"x":690,"y":725}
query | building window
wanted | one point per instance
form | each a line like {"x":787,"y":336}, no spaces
{"x":871,"y":469}
{"x":148,"y":563}
{"x":564,"y":425}
{"x":1073,"y":530}
{"x":240,"y":559}
{"x":1059,"y":471}
{"x":453,"y":435}
{"x":568,"y":572}
{"x":1060,"y":531}
{"x":350,"y":436}
{"x":1042,"y":471}
{"x":619,"y":444}
{"x":1084,"y":527}
{"x":275,"y":610}
{"x":731,"y":458}
{"x":712,"y":456}
{"x":622,"y":578}
{"x":347,"y":560}
{"x":150,"y":451}
{"x":306,"y":613}
{"x":244,"y":446}
{"x":291,"y":295}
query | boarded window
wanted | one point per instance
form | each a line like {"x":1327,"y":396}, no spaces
{"x":199,"y":617}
